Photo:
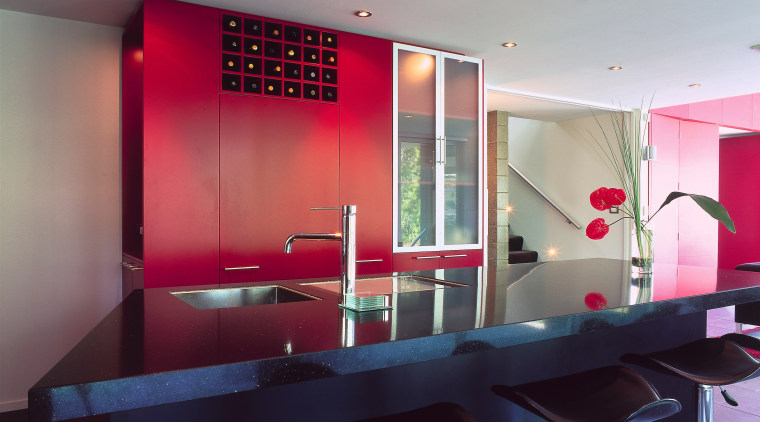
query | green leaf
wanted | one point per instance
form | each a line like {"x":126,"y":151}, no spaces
{"x":711,"y":206}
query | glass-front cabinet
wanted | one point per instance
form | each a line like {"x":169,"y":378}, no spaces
{"x":437,"y":150}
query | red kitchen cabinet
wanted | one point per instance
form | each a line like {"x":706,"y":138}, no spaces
{"x":366,"y":148}
{"x":419,"y":261}
{"x":170,"y":142}
{"x":278,"y":158}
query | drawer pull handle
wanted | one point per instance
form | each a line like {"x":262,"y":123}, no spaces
{"x":368,"y":260}
{"x":455,"y":256}
{"x":252,"y":267}
{"x":427,"y":257}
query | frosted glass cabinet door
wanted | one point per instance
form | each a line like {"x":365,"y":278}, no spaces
{"x":438,"y":149}
{"x":461,"y":164}
{"x":416,"y":149}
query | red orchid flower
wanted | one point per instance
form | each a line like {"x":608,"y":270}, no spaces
{"x":606,"y":198}
{"x":597,"y":229}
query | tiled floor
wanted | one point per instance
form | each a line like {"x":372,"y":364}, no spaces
{"x":721,"y":321}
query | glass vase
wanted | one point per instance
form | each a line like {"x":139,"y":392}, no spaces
{"x":642,"y":253}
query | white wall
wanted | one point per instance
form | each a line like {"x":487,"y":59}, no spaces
{"x":559,"y":158}
{"x":60,"y":227}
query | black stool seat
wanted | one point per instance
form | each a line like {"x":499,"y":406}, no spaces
{"x":608,"y":394}
{"x":439,"y":412}
{"x":743,"y":340}
{"x":749,"y":266}
{"x":709,"y":361}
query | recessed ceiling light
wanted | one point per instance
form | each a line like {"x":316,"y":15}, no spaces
{"x":615,"y":68}
{"x":695,"y":85}
{"x":509,"y":44}
{"x":363,"y":13}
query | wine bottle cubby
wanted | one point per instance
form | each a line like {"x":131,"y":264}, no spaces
{"x":262,"y":56}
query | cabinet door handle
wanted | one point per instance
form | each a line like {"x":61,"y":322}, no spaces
{"x":427,"y":257}
{"x":455,"y":256}
{"x":368,"y":260}
{"x":251,"y":267}
{"x":443,"y":150}
{"x":131,"y":267}
{"x":438,"y":150}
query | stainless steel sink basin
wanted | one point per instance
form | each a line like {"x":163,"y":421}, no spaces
{"x":243,"y":296}
{"x":367,"y":287}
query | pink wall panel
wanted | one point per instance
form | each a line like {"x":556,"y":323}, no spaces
{"x":737,"y":178}
{"x":706,"y":111}
{"x":739,"y":184}
{"x":698,"y":173}
{"x":681,"y":111}
{"x":663,"y":180}
{"x":181,"y":210}
{"x":698,"y":145}
{"x":737,"y":112}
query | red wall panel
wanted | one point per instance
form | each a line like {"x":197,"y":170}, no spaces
{"x":181,"y":240}
{"x":366,"y":145}
{"x":739,"y":183}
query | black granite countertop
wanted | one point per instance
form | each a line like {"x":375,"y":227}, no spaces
{"x":154,"y":348}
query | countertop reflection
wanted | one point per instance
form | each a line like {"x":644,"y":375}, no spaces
{"x":153,"y":340}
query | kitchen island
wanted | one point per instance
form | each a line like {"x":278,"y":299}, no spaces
{"x":156,"y":357}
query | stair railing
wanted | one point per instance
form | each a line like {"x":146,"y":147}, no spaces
{"x":568,"y":219}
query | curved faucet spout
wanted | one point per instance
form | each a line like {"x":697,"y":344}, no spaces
{"x":310,"y":236}
{"x":347,"y":239}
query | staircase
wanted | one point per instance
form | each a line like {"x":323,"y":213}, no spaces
{"x":516,"y":253}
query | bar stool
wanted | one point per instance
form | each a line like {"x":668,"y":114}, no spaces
{"x":439,"y":412}
{"x":747,"y":313}
{"x":607,"y":394}
{"x":709,"y":362}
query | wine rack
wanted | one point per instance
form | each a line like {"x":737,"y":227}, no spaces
{"x":272,"y":58}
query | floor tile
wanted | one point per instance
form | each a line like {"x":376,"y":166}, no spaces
{"x":721,"y":313}
{"x":732,"y":414}
{"x":753,"y":384}
{"x":747,"y":398}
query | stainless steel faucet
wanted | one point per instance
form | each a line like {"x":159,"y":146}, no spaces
{"x":347,"y":240}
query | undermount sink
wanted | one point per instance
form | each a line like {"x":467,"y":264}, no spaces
{"x":242,"y":296}
{"x":376,"y":286}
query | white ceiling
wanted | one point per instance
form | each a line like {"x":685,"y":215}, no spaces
{"x":564,"y":46}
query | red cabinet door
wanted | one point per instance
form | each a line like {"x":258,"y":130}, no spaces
{"x":277,"y":159}
{"x":366,"y":146}
{"x":464,"y":258}
{"x":416,"y":261}
{"x":181,"y":148}
{"x":419,"y":261}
